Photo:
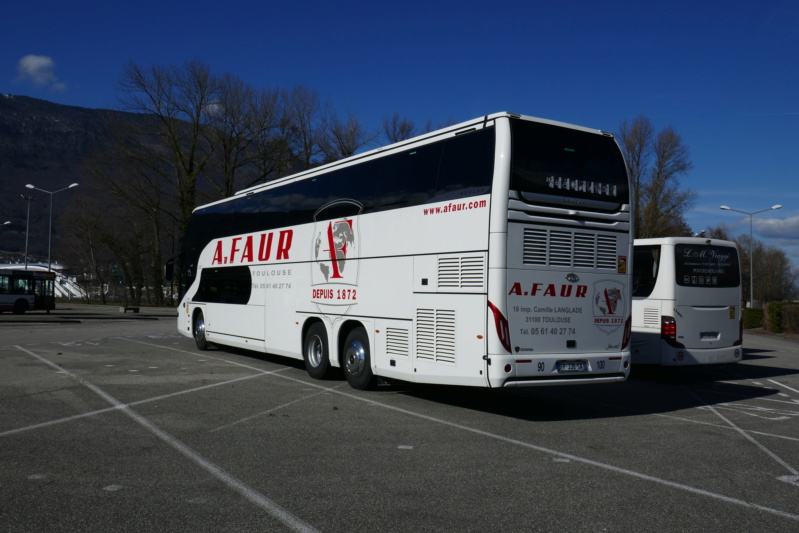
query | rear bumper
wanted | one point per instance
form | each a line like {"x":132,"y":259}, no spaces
{"x":700,"y":356}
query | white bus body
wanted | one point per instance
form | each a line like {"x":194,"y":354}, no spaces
{"x":26,"y":290}
{"x":686,"y":302}
{"x":491,"y":253}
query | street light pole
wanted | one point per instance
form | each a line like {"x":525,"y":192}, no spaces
{"x":28,"y":199}
{"x":50,"y":233}
{"x":751,"y":247}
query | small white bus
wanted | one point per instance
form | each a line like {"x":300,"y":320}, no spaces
{"x":686,"y":302}
{"x":490,"y":253}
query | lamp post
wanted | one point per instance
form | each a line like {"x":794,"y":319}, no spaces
{"x":50,"y":233}
{"x":28,"y":199}
{"x":751,"y":247}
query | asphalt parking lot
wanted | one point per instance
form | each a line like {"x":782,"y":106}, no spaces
{"x":111,"y":421}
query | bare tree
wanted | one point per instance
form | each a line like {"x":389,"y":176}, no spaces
{"x":344,"y":138}
{"x":83,"y":243}
{"x":656,"y":162}
{"x":243,"y":118}
{"x":304,"y":121}
{"x":722,"y":231}
{"x":396,"y":128}
{"x":775,"y":277}
{"x":173,"y":146}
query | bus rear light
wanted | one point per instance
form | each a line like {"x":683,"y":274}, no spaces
{"x":628,"y":332}
{"x":740,"y":340}
{"x":668,"y":331}
{"x":501,"y":323}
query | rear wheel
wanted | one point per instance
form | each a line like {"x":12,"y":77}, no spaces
{"x":315,"y":351}
{"x":357,"y":360}
{"x":199,"y":331}
{"x":20,"y":306}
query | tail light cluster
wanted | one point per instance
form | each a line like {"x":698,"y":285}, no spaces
{"x":740,"y":340}
{"x":628,"y":332}
{"x":501,"y":323}
{"x":668,"y":332}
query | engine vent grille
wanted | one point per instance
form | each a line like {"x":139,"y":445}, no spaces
{"x":570,"y":249}
{"x":397,"y":342}
{"x":435,"y":335}
{"x":651,"y":316}
{"x":461,"y":272}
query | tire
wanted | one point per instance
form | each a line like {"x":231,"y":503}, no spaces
{"x":20,"y":306}
{"x":316,"y":351}
{"x":198,"y":330}
{"x":357,"y":362}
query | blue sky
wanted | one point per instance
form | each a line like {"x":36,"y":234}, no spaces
{"x":724,"y":75}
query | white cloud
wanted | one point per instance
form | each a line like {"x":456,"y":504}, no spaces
{"x":39,"y":70}
{"x":786,"y":228}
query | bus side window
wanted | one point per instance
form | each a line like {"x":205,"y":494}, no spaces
{"x":646,"y":266}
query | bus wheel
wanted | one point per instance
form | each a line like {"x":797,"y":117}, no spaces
{"x":315,"y":351}
{"x":199,"y":331}
{"x":20,"y":306}
{"x":357,"y":360}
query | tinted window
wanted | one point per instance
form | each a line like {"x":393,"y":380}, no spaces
{"x":646,"y":267}
{"x":564,"y":166}
{"x":700,"y":265}
{"x":408,"y":178}
{"x":227,"y":285}
{"x":467,"y":166}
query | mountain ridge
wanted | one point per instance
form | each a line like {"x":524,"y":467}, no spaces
{"x":45,"y":144}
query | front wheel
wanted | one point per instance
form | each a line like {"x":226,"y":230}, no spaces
{"x":199,"y":331}
{"x":315,"y":351}
{"x":357,"y":360}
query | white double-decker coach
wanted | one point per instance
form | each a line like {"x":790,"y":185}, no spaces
{"x":491,"y":253}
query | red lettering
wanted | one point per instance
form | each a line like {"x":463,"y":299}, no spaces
{"x":536,"y":286}
{"x":581,"y":291}
{"x":246,"y":254}
{"x":334,"y":252}
{"x":550,"y":290}
{"x":516,"y":289}
{"x":565,"y":290}
{"x":284,"y":245}
{"x":217,"y":254}
{"x":608,"y":303}
{"x":265,"y":248}
{"x":234,"y":249}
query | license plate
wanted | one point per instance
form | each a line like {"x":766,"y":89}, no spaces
{"x":572,"y":366}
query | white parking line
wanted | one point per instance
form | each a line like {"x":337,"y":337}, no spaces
{"x":557,"y":454}
{"x":268,"y":505}
{"x":744,"y":434}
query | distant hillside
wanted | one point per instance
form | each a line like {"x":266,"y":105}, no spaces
{"x":44,"y":144}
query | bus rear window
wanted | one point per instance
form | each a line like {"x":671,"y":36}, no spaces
{"x":562,"y":166}
{"x":698,"y":265}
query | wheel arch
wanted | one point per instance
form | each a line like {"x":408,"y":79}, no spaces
{"x":310,"y":321}
{"x":341,"y":337}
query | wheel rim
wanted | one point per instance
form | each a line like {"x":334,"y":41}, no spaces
{"x":199,"y":329}
{"x":355,"y":359}
{"x":314,"y":351}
